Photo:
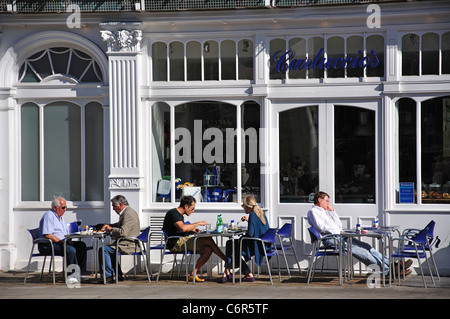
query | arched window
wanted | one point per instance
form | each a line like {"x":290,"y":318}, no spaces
{"x":430,"y":53}
{"x":67,"y":62}
{"x":410,"y":54}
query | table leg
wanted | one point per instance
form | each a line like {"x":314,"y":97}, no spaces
{"x":103,"y":259}
{"x":65,"y":262}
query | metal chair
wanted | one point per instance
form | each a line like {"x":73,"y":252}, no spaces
{"x":418,"y":242}
{"x":321,"y":251}
{"x":267,"y":241}
{"x":166,"y":251}
{"x":285,"y":233}
{"x":36,"y":240}
{"x":141,"y":240}
{"x":410,"y":233}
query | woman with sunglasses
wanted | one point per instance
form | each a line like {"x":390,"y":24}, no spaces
{"x":257,"y":227}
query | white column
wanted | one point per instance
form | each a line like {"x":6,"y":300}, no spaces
{"x":124,"y":52}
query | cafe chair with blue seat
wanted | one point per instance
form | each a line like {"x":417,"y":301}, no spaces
{"x":165,"y":251}
{"x":410,"y":233}
{"x":268,"y":241}
{"x":285,"y":233}
{"x":141,"y":240}
{"x":36,"y":240}
{"x":320,"y":251}
{"x":418,"y":242}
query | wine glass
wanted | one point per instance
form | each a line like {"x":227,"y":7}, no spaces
{"x":79,"y":220}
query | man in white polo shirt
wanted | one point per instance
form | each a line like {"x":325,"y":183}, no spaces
{"x":53,"y":226}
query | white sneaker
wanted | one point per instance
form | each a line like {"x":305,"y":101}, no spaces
{"x":72,"y":280}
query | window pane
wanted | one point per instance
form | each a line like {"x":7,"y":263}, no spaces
{"x":277,"y":45}
{"x":298,"y":149}
{"x":94,"y":152}
{"x":194,"y":61}
{"x":245,"y":59}
{"x":355,"y":47}
{"x":250,"y":168}
{"x":435,"y":151}
{"x":62,"y":151}
{"x":406,"y":144}
{"x":314,"y":46}
{"x":228,"y":59}
{"x":446,"y":53}
{"x":211,"y":58}
{"x":410,"y":54}
{"x":30,"y":152}
{"x":298,"y":46}
{"x":159,"y":61}
{"x":375,"y":43}
{"x":160,"y":150}
{"x":176,"y":57}
{"x":430,"y":53}
{"x":354,"y":154}
{"x":205,"y":137}
{"x":335,"y":51}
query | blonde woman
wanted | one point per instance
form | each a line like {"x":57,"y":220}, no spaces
{"x":257,"y":226}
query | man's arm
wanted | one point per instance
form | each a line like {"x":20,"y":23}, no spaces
{"x":189,"y":227}
{"x":52,"y":237}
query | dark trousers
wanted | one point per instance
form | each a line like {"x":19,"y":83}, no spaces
{"x":75,"y":252}
{"x":229,"y":254}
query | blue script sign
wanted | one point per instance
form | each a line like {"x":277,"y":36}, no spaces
{"x":285,"y":61}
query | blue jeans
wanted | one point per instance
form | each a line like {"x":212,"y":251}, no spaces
{"x":364,"y":253}
{"x":75,"y":252}
{"x":110,"y":261}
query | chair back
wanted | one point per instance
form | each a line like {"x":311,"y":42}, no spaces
{"x":269,"y":235}
{"x":144,"y":235}
{"x":421,"y":237}
{"x":73,"y":227}
{"x":314,"y":233}
{"x":285,"y":231}
{"x":34,"y":233}
{"x":430,"y":227}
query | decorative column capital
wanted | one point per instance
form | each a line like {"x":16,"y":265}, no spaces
{"x":119,"y":38}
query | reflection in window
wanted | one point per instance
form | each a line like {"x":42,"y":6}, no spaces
{"x":211,"y":58}
{"x":314,"y":46}
{"x":435,"y":140}
{"x":354,"y":50}
{"x":298,"y":46}
{"x":245,"y":58}
{"x":60,"y":61}
{"x":430,"y":53}
{"x":335,"y":52}
{"x":298,"y":142}
{"x":176,"y":61}
{"x":354,"y":154}
{"x":407,"y":163}
{"x":61,"y":152}
{"x":410,"y":54}
{"x":276,"y":45}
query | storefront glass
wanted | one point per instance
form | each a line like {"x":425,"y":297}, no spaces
{"x":206,"y":145}
{"x":354,"y":130}
{"x":298,"y":151}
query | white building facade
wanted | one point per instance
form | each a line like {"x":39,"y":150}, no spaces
{"x":280,"y":101}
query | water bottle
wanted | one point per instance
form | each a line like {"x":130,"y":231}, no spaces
{"x":358,"y":228}
{"x":219,"y":225}
{"x":232,"y":225}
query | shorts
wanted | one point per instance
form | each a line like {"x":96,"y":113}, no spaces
{"x":179,"y":245}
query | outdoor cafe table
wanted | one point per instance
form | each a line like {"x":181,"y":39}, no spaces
{"x":384,"y":236}
{"x":227,"y":234}
{"x":99,"y":237}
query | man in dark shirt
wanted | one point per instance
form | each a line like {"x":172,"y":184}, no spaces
{"x":174,"y":226}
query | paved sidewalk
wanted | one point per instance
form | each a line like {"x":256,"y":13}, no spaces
{"x":323,"y":287}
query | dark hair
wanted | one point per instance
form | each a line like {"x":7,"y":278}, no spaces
{"x":119,"y":199}
{"x":187,"y":200}
{"x":319,"y":195}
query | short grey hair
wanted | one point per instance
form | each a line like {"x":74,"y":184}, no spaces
{"x":119,"y":199}
{"x":56,"y":202}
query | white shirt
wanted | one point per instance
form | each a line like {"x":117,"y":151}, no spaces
{"x":325,"y":221}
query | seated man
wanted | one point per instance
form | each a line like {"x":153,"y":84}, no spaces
{"x":325,"y":219}
{"x":174,"y":226}
{"x":53,"y":226}
{"x":127,"y":226}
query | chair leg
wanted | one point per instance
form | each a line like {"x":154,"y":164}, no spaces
{"x":434,"y":264}
{"x":295,"y":255}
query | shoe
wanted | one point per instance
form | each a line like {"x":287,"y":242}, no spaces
{"x":223,"y":280}
{"x":248,"y":279}
{"x":191,"y":278}
{"x":84,"y":278}
{"x":406,"y":265}
{"x":109,"y":280}
{"x":405,"y":272}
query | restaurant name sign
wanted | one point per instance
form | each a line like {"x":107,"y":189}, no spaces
{"x":286,"y":61}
